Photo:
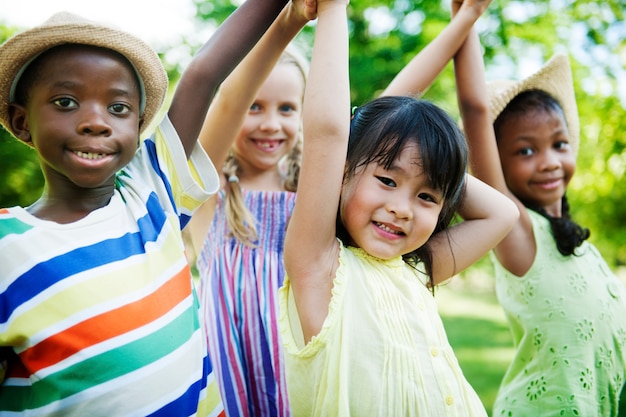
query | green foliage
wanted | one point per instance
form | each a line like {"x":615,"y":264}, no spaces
{"x":22,"y":180}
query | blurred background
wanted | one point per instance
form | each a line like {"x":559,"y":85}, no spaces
{"x":517,"y":37}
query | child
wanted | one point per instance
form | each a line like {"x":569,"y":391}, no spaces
{"x":368,"y":236}
{"x":98,"y":313}
{"x":240,"y":265}
{"x":565,"y":308}
{"x":240,"y":259}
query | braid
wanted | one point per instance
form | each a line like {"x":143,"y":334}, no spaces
{"x":568,"y":234}
{"x":294,"y":161}
{"x":241,"y":223}
{"x":292,"y":56}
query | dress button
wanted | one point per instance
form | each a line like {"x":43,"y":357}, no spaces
{"x":434,"y":351}
{"x":449,"y":400}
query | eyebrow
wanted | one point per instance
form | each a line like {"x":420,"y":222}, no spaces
{"x":68,"y":84}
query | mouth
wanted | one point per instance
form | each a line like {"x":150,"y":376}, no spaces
{"x":90,"y":155}
{"x":267,"y":144}
{"x":388,"y":229}
{"x":550,"y":184}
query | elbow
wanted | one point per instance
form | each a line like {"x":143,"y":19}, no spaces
{"x":510,"y":213}
{"x":473,"y":107}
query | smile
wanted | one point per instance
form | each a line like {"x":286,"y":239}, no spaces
{"x":388,"y":229}
{"x":89,"y":155}
{"x":268,"y":145}
{"x":549,"y":185}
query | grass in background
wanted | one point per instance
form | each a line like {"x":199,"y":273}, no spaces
{"x":478,"y":332}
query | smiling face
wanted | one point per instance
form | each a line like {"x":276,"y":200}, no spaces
{"x":537,"y":159}
{"x":81,"y":114}
{"x":271,"y":127}
{"x":390,"y":212}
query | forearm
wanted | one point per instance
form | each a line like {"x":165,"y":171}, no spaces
{"x":424,"y":68}
{"x":474,"y":108}
{"x":470,"y":79}
{"x":214,"y":61}
{"x":327,"y":103}
{"x":488,"y":217}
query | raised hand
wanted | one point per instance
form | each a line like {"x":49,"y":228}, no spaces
{"x":306,"y":8}
{"x":477,"y":6}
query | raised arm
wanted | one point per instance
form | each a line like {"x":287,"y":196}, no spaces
{"x":488,"y":216}
{"x":235,"y":96}
{"x":421,"y":71}
{"x":214,"y":61}
{"x":311,"y":250}
{"x":228,"y":110}
{"x":516,"y":251}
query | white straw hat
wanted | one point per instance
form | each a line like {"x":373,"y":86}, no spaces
{"x":66,"y":28}
{"x":554,"y":78}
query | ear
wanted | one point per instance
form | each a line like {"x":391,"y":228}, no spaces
{"x":19,"y":123}
{"x":139,"y":131}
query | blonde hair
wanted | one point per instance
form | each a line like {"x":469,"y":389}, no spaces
{"x":241,"y":222}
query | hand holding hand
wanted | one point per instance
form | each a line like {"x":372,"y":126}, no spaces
{"x":476,"y":6}
{"x":304,"y":9}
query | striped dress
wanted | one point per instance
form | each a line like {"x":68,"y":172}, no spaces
{"x":99,"y":317}
{"x":238,"y":290}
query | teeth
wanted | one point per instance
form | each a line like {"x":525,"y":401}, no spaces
{"x":89,"y":155}
{"x":387,"y":229}
{"x":266,"y":144}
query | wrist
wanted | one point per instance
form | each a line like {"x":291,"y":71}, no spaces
{"x":292,"y":17}
{"x":330,"y":6}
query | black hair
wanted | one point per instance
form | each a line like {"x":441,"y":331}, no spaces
{"x":568,"y":235}
{"x":379,"y":132}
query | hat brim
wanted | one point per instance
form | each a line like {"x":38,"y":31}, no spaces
{"x":555,"y":78}
{"x":66,"y":28}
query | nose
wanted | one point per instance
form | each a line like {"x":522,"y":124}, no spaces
{"x":270,"y":122}
{"x":400,"y":206}
{"x":550,"y":161}
{"x":93,"y":121}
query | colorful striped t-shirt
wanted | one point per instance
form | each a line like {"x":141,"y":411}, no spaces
{"x":99,"y":317}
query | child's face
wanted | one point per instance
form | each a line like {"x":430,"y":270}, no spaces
{"x":270,"y":129}
{"x":392,"y":212}
{"x":536,"y":157}
{"x":82,"y":116}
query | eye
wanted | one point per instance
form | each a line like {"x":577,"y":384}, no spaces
{"x":387,"y":181}
{"x":428,"y":197}
{"x":287,"y":108}
{"x":524,"y":152}
{"x":561,"y":145}
{"x":66,"y":103}
{"x":255,"y":107}
{"x":119,"y":108}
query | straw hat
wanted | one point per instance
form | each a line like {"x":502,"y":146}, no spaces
{"x":555,"y":78}
{"x":66,"y":28}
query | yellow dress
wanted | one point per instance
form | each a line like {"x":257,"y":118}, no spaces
{"x":382,"y":350}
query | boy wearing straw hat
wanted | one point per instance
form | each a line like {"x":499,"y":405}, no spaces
{"x":566,"y":309}
{"x":98,"y":316}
